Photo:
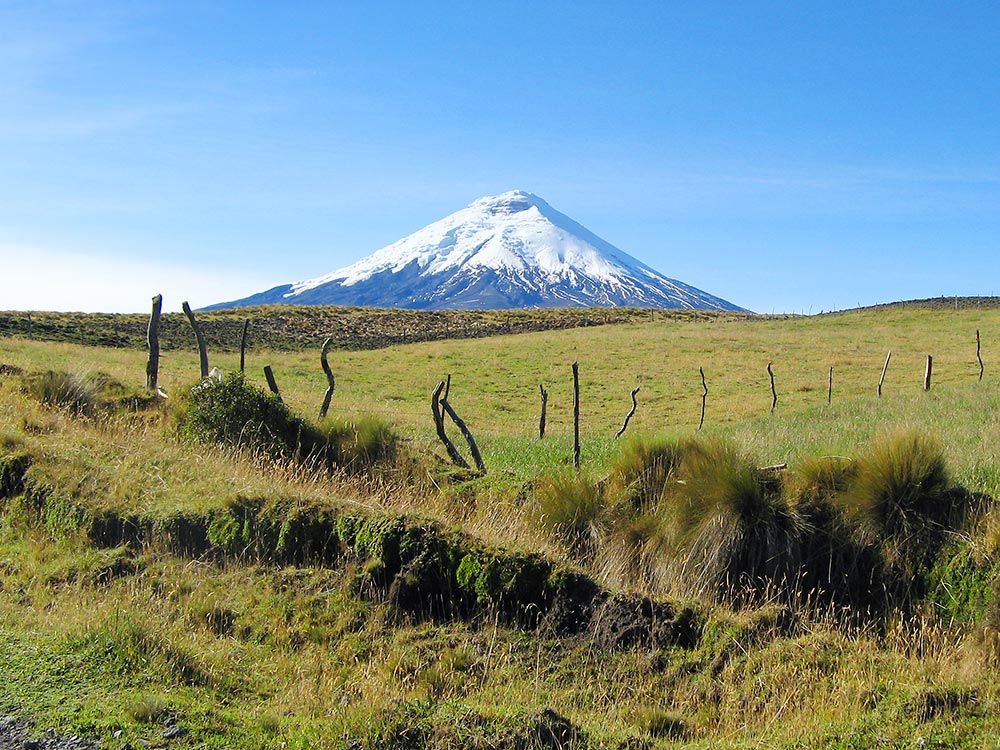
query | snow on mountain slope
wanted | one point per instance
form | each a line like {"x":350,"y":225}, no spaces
{"x":510,"y":250}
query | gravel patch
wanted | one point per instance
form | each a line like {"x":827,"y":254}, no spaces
{"x":17,"y":734}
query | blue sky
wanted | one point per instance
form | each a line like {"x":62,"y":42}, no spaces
{"x":788,"y":157}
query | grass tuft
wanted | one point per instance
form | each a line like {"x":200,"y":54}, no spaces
{"x":901,"y":497}
{"x":570,"y":508}
{"x":733,"y":535}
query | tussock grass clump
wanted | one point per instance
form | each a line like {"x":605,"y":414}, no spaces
{"x":901,"y":499}
{"x":637,"y":542}
{"x":839,"y":569}
{"x":570,"y":508}
{"x":360,"y":443}
{"x":147,"y":709}
{"x":81,"y":395}
{"x":641,"y":471}
{"x":85,"y":395}
{"x":733,"y":536}
{"x":123,"y":646}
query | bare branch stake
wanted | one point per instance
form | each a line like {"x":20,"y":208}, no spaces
{"x":202,"y":352}
{"x":467,"y":434}
{"x":774,"y":393}
{"x":979,"y":355}
{"x":629,"y":415}
{"x":453,"y":454}
{"x":704,"y":396}
{"x":541,"y":420}
{"x":329,"y":377}
{"x":884,"y":368}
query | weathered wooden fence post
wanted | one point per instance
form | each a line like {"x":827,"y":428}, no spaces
{"x":202,"y":352}
{"x":829,"y":392}
{"x":884,"y":368}
{"x":576,"y":415}
{"x":329,"y":377}
{"x":704,"y":396}
{"x":927,"y":373}
{"x":774,"y":393}
{"x":153,"y":342}
{"x":271,"y":382}
{"x":453,"y":453}
{"x":979,"y":355}
{"x":541,"y":419}
{"x":629,"y":415}
{"x":243,"y":346}
{"x":463,"y":428}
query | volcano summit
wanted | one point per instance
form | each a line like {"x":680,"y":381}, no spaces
{"x":507,"y":251}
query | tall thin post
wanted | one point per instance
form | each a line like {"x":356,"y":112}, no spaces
{"x":541,"y":419}
{"x":704,"y":396}
{"x":979,"y":355}
{"x":829,"y":392}
{"x":153,"y":342}
{"x":243,"y":345}
{"x":927,"y":373}
{"x":202,"y":352}
{"x":329,"y":377}
{"x":884,"y":368}
{"x":774,"y":393}
{"x":576,"y":415}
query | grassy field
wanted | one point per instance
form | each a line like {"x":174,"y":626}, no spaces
{"x":252,"y":649}
{"x":495,"y":380}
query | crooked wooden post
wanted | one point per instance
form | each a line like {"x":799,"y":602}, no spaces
{"x":466,"y":433}
{"x":884,"y":368}
{"x":774,"y":393}
{"x":329,"y":377}
{"x":979,"y":355}
{"x":271,"y":382}
{"x":199,"y":337}
{"x":243,"y":346}
{"x":453,"y":454}
{"x":629,"y":415}
{"x":576,"y":415}
{"x":541,"y":419}
{"x":927,"y":373}
{"x":153,"y":342}
{"x":704,"y":396}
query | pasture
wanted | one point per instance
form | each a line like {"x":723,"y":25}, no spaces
{"x":254,"y":600}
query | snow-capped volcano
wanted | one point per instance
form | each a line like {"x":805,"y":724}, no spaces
{"x":509,"y":250}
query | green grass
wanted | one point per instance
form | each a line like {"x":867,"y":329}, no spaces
{"x":247,"y":649}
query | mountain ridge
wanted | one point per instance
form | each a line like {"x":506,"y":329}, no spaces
{"x":512,"y":250}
